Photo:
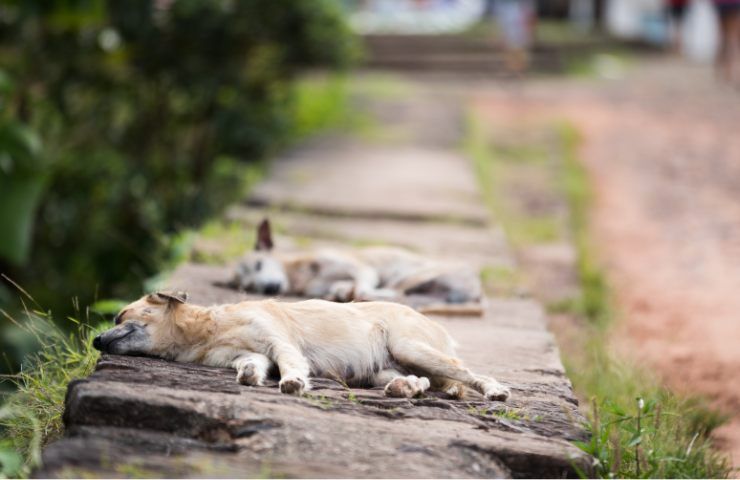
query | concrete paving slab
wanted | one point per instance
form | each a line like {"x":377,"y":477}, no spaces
{"x":354,"y":179}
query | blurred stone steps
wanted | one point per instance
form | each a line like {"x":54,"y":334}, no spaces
{"x":464,"y":54}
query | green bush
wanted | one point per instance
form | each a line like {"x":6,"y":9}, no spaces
{"x":151,"y":113}
{"x":21,"y":183}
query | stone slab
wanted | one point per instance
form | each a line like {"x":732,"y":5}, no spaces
{"x":356,"y":179}
{"x":474,"y":245}
{"x":164,"y":418}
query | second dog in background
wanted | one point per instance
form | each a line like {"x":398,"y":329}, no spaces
{"x":374,"y":273}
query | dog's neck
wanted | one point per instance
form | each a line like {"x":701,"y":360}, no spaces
{"x":300,"y":270}
{"x":193,"y":324}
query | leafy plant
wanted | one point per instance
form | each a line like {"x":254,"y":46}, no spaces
{"x":649,"y":442}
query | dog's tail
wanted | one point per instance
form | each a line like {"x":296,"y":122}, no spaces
{"x":453,"y":310}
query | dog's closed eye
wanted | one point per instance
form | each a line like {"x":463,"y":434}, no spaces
{"x":119,"y":318}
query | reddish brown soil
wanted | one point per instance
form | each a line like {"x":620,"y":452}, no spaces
{"x":667,"y":221}
{"x":662,"y":148}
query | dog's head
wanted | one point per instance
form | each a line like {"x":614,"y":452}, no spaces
{"x":144,"y":327}
{"x":259,"y":271}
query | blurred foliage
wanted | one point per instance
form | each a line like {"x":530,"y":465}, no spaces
{"x":320,"y":104}
{"x":20,"y":183}
{"x":125,"y":121}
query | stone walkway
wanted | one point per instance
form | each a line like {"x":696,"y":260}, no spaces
{"x":144,"y":417}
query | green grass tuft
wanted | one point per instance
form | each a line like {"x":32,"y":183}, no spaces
{"x":666,"y":438}
{"x":594,"y":301}
{"x":496,"y":167}
{"x":32,"y":415}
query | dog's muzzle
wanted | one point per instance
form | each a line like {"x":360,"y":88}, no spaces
{"x":271,"y":288}
{"x":106,"y":340}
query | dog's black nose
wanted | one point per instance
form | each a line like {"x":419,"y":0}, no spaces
{"x":272,"y":288}
{"x":98,"y":343}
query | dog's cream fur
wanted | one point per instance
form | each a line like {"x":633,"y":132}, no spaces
{"x":374,"y":273}
{"x":362,"y":344}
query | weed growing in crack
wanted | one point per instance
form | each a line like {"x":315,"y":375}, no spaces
{"x":506,"y":413}
{"x":320,"y":401}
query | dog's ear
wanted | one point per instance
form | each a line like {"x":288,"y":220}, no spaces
{"x":169,"y":297}
{"x":264,"y":236}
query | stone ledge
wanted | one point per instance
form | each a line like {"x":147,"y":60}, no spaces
{"x":160,"y":416}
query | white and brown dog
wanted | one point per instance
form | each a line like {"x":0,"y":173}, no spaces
{"x":374,"y":273}
{"x":360,"y":344}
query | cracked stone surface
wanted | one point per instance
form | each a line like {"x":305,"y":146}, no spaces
{"x":163,"y":418}
{"x":145,"y":417}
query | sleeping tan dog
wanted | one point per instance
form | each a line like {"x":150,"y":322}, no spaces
{"x":360,"y":344}
{"x":375,"y":273}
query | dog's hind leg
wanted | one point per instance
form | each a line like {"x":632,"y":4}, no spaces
{"x":399,"y":385}
{"x":251,"y":368}
{"x":419,"y":356}
{"x":347,"y":291}
{"x":452,"y":388}
{"x":294,"y":367}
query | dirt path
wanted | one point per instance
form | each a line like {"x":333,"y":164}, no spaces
{"x":663,"y":151}
{"x":669,"y":171}
{"x":407,"y":186}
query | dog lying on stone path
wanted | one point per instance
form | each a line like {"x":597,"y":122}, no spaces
{"x":359,"y":344}
{"x":374,"y":273}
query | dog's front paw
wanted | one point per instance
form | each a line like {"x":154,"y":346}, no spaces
{"x":249,"y":374}
{"x":406,"y":387}
{"x":343,"y":291}
{"x":293,"y":385}
{"x":496,"y":391}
